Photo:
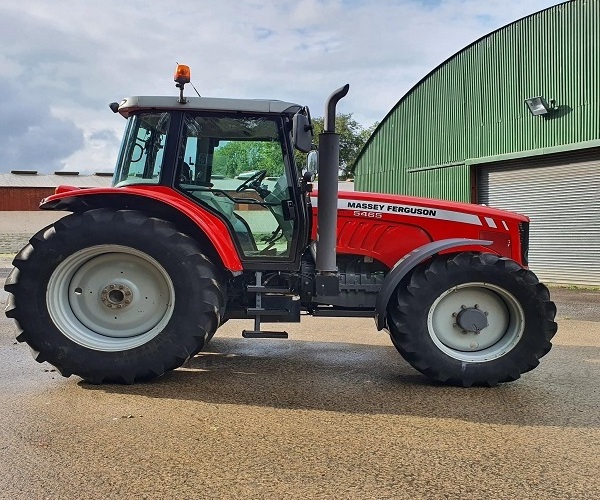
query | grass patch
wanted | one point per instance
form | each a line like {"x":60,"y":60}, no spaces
{"x":583,"y":288}
{"x":6,"y":258}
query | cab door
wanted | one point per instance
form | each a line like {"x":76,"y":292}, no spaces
{"x":240,"y":168}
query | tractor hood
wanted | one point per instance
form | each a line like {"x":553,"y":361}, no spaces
{"x":421,"y":207}
{"x":387,"y":227}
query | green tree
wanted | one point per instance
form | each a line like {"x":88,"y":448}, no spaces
{"x":235,"y":157}
{"x":353,"y":137}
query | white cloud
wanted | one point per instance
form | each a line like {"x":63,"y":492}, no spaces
{"x":73,"y":58}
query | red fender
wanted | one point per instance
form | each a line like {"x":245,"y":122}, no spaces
{"x":72,"y":199}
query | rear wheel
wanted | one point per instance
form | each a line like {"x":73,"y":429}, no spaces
{"x":472,"y":319}
{"x":114,"y":296}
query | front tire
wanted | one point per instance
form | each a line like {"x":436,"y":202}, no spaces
{"x":472,"y":319}
{"x":114,"y":296}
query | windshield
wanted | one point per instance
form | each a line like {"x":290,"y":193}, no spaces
{"x":141,"y":157}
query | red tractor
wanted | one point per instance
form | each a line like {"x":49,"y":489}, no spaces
{"x":208,"y":219}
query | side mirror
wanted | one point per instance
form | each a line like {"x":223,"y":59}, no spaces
{"x":312,"y":165}
{"x":302,"y":134}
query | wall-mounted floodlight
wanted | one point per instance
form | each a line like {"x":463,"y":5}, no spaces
{"x":538,"y":106}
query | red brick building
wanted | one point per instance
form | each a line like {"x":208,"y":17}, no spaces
{"x":22,"y":190}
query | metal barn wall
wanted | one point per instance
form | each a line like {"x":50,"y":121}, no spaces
{"x":472,"y":106}
{"x":433,"y":183}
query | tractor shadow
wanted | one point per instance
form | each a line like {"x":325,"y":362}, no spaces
{"x":372,"y":379}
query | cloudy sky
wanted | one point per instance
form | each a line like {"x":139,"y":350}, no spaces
{"x":63,"y":61}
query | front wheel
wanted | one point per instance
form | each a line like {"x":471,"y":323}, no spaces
{"x":114,"y":296}
{"x":472,"y":319}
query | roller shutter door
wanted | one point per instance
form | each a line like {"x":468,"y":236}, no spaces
{"x":561,"y":196}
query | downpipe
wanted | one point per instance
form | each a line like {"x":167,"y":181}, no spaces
{"x":329,"y":162}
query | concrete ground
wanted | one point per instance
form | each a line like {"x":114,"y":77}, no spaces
{"x":334,"y":412}
{"x":17,"y":227}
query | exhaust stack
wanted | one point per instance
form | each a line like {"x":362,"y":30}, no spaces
{"x":329,"y":164}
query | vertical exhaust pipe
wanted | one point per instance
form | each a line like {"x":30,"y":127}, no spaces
{"x":329,"y":164}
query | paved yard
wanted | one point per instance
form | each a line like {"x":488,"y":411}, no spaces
{"x":334,"y":412}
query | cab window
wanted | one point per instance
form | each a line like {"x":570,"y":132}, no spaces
{"x":236,"y":166}
{"x":141,"y":158}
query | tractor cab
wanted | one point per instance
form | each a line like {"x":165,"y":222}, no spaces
{"x":233,"y":158}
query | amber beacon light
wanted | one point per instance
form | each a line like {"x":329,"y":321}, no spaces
{"x":182,"y":76}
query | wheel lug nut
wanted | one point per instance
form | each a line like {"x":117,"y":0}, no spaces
{"x":116,"y":295}
{"x":476,"y":306}
{"x":454,"y":315}
{"x":463,"y":307}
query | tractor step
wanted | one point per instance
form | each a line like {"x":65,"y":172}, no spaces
{"x":270,"y":308}
{"x":253,"y":334}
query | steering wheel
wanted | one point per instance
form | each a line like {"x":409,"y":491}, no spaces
{"x":185,"y":174}
{"x":252,"y":182}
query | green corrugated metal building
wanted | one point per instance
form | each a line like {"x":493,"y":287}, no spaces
{"x":465,"y":133}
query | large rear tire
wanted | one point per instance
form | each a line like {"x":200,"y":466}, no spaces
{"x":114,"y":296}
{"x":472,"y":319}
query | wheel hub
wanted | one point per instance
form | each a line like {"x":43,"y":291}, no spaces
{"x":110,"y":297}
{"x":116,"y":295}
{"x":472,"y":319}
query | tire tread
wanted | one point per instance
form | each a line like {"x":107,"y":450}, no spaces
{"x":408,"y":337}
{"x":199,"y":325}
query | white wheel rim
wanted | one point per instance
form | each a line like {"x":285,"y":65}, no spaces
{"x":110,"y":298}
{"x":504,"y":314}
